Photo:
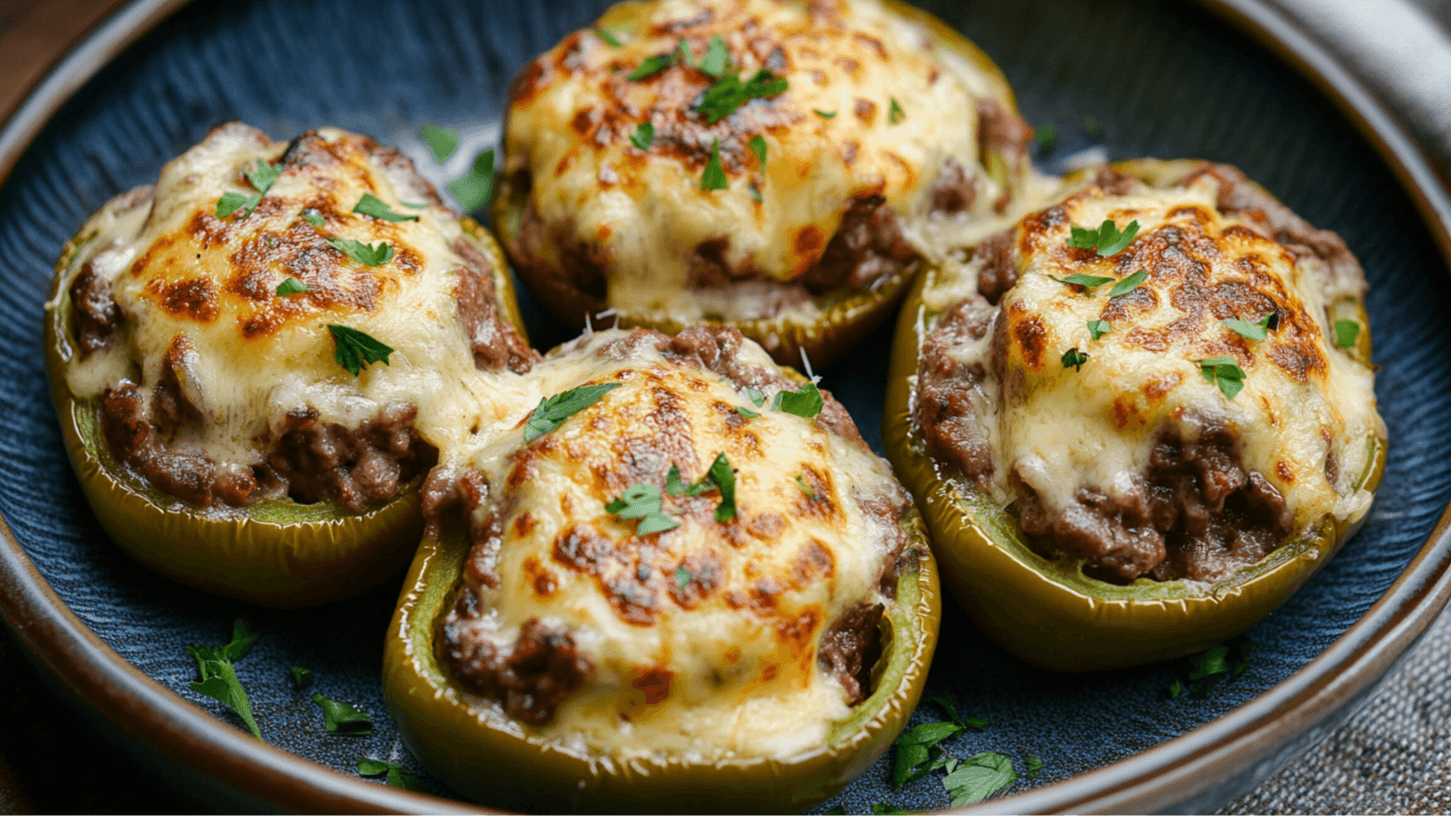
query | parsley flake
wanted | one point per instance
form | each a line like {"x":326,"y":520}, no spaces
{"x":804,"y":403}
{"x":218,"y":678}
{"x":1034,"y":766}
{"x":441,"y":141}
{"x":232,"y":202}
{"x":263,"y":176}
{"x":292,"y":286}
{"x":754,"y":191}
{"x":914,"y":747}
{"x":1175,"y":689}
{"x":1092,"y":128}
{"x":755,"y":396}
{"x":1106,"y":240}
{"x":728,"y":93}
{"x":720,"y":472}
{"x":746,"y":412}
{"x":1201,"y":672}
{"x":1247,"y":330}
{"x":1089,"y":282}
{"x":365,"y":254}
{"x":717,"y":58}
{"x":397,"y":777}
{"x":805,"y":488}
{"x":676,"y":486}
{"x":1098,"y":328}
{"x":714,"y":177}
{"x":607,"y":37}
{"x":374,"y":207}
{"x":1224,"y":372}
{"x":301,"y":678}
{"x":642,"y":501}
{"x":356,"y":350}
{"x":1074,"y":359}
{"x":1346,"y":333}
{"x":1047,"y":136}
{"x":682,"y":577}
{"x":312,"y":217}
{"x":824,"y":114}
{"x":895,"y":113}
{"x":980,"y":777}
{"x":651,"y":66}
{"x":1128,"y":284}
{"x":474,"y":190}
{"x":643,"y":136}
{"x":553,"y":411}
{"x":758,"y":145}
{"x":339,"y":716}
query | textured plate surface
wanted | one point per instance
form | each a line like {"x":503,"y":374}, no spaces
{"x":1162,"y":80}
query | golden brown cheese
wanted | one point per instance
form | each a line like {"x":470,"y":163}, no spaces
{"x":667,"y":245}
{"x":703,"y":641}
{"x":185,"y":279}
{"x":1306,"y":413}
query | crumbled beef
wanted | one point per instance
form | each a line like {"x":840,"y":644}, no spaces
{"x":953,"y":190}
{"x":999,"y":271}
{"x":530,"y":679}
{"x":355,"y":466}
{"x":1113,"y":182}
{"x":1194,"y":513}
{"x":494,"y":341}
{"x":868,"y":245}
{"x":95,"y":316}
{"x":1003,"y":131}
{"x":850,"y":647}
{"x":944,"y":409}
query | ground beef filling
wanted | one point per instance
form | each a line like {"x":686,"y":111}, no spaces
{"x":310,"y":462}
{"x":529,"y":678}
{"x":944,"y":408}
{"x":1194,"y":513}
{"x":494,"y":342}
{"x":850,"y":647}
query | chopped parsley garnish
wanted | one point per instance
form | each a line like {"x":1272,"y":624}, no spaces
{"x":339,"y":716}
{"x":805,"y":488}
{"x":397,"y":777}
{"x":301,"y":678}
{"x":651,"y":66}
{"x":1250,"y":331}
{"x":1098,"y":328}
{"x":746,"y":412}
{"x":676,"y":486}
{"x":980,"y":777}
{"x":1346,"y":333}
{"x":682,"y":577}
{"x":365,"y":254}
{"x":553,"y":411}
{"x":474,"y":190}
{"x":1089,"y":282}
{"x":1106,"y":240}
{"x":1034,"y":766}
{"x":642,"y":501}
{"x":1130,"y":283}
{"x":413,"y":206}
{"x":1175,"y":689}
{"x":1092,"y":128}
{"x":263,"y":177}
{"x":686,"y":56}
{"x":717,"y":58}
{"x":292,"y":286}
{"x":218,"y":678}
{"x":729,"y":93}
{"x":442,"y":141}
{"x":1074,"y":359}
{"x":356,"y":349}
{"x":888,"y":809}
{"x":643,"y":136}
{"x":755,"y":192}
{"x":312,"y":217}
{"x":373,"y":207}
{"x":895,"y":113}
{"x":915,"y":747}
{"x":720,"y":472}
{"x":804,"y":403}
{"x":758,"y":145}
{"x":232,"y":202}
{"x":755,"y":396}
{"x":1224,"y":372}
{"x":607,"y":37}
{"x":824,"y":114}
{"x":1047,"y":136}
{"x":714,"y":177}
{"x":1203,"y":671}
{"x":947,"y":702}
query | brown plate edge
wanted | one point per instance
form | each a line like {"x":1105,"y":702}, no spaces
{"x":1240,"y":747}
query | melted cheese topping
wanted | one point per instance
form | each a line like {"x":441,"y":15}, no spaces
{"x":721,"y":662}
{"x":1059,"y":429}
{"x":645,"y":213}
{"x":177,"y":272}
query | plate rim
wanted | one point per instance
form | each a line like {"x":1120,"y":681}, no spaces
{"x":127,"y":704}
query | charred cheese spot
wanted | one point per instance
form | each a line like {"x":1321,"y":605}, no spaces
{"x":684,"y":624}
{"x":1082,"y":450}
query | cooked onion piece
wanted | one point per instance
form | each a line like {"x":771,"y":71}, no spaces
{"x":763,"y":164}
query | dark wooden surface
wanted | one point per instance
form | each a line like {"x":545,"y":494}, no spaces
{"x":51,"y":763}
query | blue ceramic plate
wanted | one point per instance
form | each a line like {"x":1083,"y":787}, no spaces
{"x":1160,"y":79}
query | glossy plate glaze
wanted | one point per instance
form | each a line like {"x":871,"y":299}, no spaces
{"x":1161,"y":79}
